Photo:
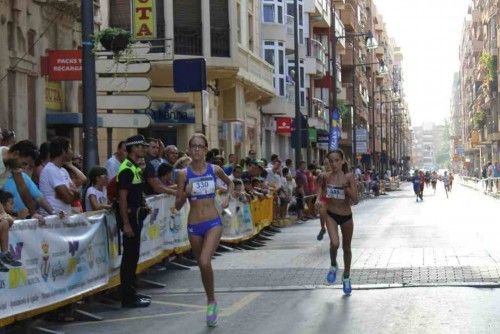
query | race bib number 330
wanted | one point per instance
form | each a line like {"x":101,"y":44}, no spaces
{"x":335,"y":192}
{"x":204,"y":185}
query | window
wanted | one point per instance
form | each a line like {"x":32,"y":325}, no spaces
{"x":31,"y":42}
{"x":274,"y":54}
{"x":269,"y":56}
{"x":268,"y":13}
{"x":238,"y":19}
{"x":187,"y":27}
{"x":250,"y":32}
{"x":10,"y":34}
{"x":272,"y":11}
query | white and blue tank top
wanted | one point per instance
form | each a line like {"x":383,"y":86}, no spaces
{"x":203,"y":185}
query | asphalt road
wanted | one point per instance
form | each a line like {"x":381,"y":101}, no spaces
{"x":426,"y":267}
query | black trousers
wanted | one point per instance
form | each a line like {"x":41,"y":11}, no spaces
{"x":130,"y":257}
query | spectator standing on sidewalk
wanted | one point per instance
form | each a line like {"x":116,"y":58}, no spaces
{"x":300,"y":190}
{"x":114,"y":162}
{"x":132,"y":212}
{"x":55,"y":182}
{"x":489,"y":175}
{"x":496,"y":174}
{"x":96,"y":196}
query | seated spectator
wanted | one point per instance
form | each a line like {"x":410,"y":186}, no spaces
{"x":165,"y":172}
{"x":55,"y":182}
{"x":6,"y":221}
{"x":96,"y":197}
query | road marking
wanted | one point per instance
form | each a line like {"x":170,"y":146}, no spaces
{"x":153,"y":316}
{"x":240,"y":304}
{"x":177,"y":304}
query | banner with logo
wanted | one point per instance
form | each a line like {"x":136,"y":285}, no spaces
{"x":237,"y":221}
{"x":60,"y":260}
{"x":335,"y":130}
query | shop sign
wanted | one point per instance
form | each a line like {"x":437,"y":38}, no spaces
{"x":144,"y":19}
{"x":283,"y":125}
{"x":65,"y":65}
{"x":170,"y":112}
{"x":53,"y":96}
{"x":313,"y":134}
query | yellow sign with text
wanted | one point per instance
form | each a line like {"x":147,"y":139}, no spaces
{"x":54,"y":97}
{"x":144,"y":19}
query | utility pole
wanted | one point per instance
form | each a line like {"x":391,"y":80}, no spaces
{"x":90,"y":151}
{"x":333,"y":74}
{"x":298,"y":114}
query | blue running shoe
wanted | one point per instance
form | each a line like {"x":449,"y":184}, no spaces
{"x":212,"y":311}
{"x":346,"y":286}
{"x":331,"y":277}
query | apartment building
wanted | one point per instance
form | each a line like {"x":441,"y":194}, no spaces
{"x":427,"y":139}
{"x":28,"y":29}
{"x":240,"y":82}
{"x":479,"y":132}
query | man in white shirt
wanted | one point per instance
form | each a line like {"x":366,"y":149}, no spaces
{"x":55,"y":182}
{"x":113,"y":163}
{"x":274,"y":175}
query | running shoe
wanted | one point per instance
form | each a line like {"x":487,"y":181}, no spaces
{"x":321,"y":234}
{"x":346,"y":286}
{"x":212,"y":310}
{"x":7,"y":259}
{"x":331,"y":277}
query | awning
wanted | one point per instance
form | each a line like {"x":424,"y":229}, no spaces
{"x":64,"y":118}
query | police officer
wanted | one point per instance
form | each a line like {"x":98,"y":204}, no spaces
{"x":132,"y":211}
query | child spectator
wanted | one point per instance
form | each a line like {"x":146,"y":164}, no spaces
{"x":240,"y":192}
{"x":96,"y":197}
{"x":6,"y":221}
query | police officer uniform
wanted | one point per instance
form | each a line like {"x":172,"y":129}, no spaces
{"x":130,"y":178}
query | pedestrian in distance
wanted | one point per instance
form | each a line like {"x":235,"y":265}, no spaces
{"x":197,"y":183}
{"x":340,"y":189}
{"x":416,"y":184}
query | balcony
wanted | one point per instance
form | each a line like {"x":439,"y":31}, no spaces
{"x":277,"y":31}
{"x":318,"y":117}
{"x":319,"y":11}
{"x":282,"y":105}
{"x":348,"y":16}
{"x":315,"y":62}
{"x":219,"y":41}
{"x":339,"y":4}
{"x":255,"y":70}
{"x":187,"y":41}
{"x":339,"y":31}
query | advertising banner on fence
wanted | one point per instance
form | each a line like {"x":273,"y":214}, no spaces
{"x":237,"y":221}
{"x":61,"y":259}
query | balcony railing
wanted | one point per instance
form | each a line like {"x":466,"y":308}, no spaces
{"x":289,"y":24}
{"x":187,"y":40}
{"x":256,"y":66}
{"x":219,"y":40}
{"x":317,"y":50}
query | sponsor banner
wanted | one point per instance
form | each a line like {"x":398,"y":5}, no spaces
{"x":65,"y":65}
{"x":237,"y":221}
{"x":61,"y":259}
{"x":144,"y":19}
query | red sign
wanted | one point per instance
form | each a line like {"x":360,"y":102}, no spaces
{"x":65,"y":65}
{"x":283,"y":125}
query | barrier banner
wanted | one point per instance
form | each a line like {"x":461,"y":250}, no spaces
{"x":163,"y":230}
{"x":237,"y":221}
{"x":61,"y":260}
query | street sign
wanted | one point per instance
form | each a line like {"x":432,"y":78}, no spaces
{"x":110,"y":66}
{"x":123,"y":84}
{"x":124,"y":102}
{"x":132,"y":121}
{"x":190,"y":75}
{"x":361,"y":147}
